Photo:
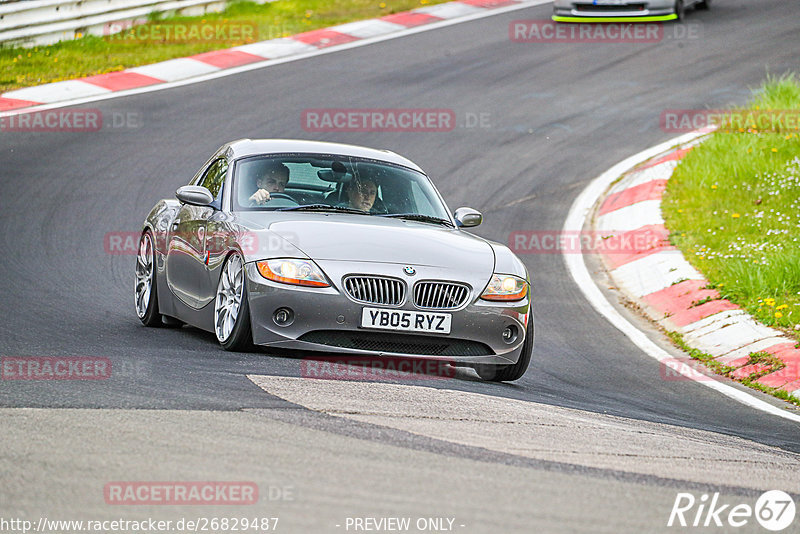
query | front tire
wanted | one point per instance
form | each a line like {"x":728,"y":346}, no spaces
{"x":231,"y":308}
{"x":145,"y":293}
{"x":514,"y":371}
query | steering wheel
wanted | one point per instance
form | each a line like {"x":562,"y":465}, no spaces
{"x":283,"y":199}
{"x":379,"y":210}
{"x":379,"y":207}
{"x":283,"y":196}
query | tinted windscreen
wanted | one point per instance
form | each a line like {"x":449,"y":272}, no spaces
{"x":368,"y":186}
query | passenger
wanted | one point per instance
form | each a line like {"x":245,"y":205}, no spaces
{"x":361,"y":193}
{"x":273,"y":179}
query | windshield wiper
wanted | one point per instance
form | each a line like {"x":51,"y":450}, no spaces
{"x":323,"y":207}
{"x":419,"y":217}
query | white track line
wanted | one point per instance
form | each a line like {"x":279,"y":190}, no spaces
{"x":576,"y":266}
{"x":268,"y":63}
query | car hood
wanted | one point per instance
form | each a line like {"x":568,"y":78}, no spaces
{"x":337,"y":237}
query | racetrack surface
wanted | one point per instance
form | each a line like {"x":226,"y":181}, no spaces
{"x":558,"y":115}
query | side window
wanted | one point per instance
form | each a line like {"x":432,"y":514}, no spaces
{"x":215,"y":177}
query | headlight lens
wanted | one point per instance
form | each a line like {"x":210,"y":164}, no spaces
{"x":292,"y":271}
{"x":505,"y":287}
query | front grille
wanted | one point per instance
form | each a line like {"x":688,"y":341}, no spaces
{"x":397,"y":343}
{"x":375,"y":290}
{"x":609,"y":8}
{"x":440,"y":295}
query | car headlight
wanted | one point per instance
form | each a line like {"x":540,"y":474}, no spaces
{"x":505,"y":287}
{"x":292,"y":271}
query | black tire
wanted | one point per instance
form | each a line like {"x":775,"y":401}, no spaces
{"x":703,"y":4}
{"x":680,"y":10}
{"x":151,"y":317}
{"x":241,"y":339}
{"x":241,"y":335}
{"x":509,"y":373}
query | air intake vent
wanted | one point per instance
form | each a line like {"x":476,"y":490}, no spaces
{"x":440,"y":295}
{"x":397,"y":343}
{"x":376,"y":290}
{"x":609,"y":8}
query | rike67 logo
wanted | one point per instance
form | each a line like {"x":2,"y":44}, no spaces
{"x":774,"y":510}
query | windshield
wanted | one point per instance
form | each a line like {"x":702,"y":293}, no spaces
{"x":314,"y":182}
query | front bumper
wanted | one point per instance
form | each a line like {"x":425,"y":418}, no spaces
{"x":326,"y":320}
{"x":615,"y":13}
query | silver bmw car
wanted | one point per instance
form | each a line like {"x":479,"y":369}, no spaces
{"x":335,"y":248}
{"x":623,"y":10}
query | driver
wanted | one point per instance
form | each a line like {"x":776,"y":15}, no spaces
{"x":272,"y":179}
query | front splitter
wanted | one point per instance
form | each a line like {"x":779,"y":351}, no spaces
{"x":650,"y":18}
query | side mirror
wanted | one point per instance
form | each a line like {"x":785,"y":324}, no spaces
{"x":195,"y":195}
{"x":466,"y":217}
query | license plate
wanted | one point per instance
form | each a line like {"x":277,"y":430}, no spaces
{"x":410,"y":321}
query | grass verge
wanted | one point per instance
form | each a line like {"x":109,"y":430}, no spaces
{"x":725,"y":370}
{"x":250,"y":22}
{"x":733,"y":208}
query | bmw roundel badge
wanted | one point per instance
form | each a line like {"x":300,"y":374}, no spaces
{"x":409,"y":270}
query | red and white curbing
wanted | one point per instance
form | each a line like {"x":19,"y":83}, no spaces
{"x":174,"y":70}
{"x":669,"y":289}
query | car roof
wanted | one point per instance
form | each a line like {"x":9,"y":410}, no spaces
{"x":254,"y":147}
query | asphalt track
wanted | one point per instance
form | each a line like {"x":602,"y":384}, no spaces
{"x":558,"y":115}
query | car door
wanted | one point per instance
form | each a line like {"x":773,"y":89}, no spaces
{"x":187,"y":255}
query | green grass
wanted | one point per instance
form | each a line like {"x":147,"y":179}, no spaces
{"x":733,"y":209}
{"x":90,"y":55}
{"x":696,"y":354}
